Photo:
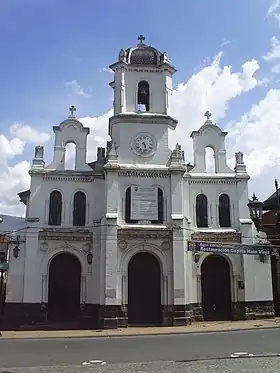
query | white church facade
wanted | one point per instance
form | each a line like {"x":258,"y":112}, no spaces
{"x":139,"y":236}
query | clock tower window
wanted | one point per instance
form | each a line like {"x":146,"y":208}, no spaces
{"x":143,"y":96}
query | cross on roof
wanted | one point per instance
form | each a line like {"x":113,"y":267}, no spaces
{"x":141,"y":38}
{"x":207,"y":114}
{"x":72,"y":110}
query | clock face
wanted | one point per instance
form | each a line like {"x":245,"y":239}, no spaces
{"x":144,"y":144}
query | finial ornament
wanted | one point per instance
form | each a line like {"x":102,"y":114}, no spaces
{"x":141,"y":38}
{"x":208,"y":114}
{"x":72,"y":110}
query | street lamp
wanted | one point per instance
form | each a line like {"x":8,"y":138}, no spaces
{"x":255,"y":208}
{"x":278,"y":208}
{"x":89,"y":257}
{"x":15,"y":241}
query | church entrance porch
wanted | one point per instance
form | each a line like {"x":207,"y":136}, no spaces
{"x":144,"y":290}
{"x":64,"y":288}
{"x":216,"y":289}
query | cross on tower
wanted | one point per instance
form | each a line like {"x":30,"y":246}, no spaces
{"x":72,"y":110}
{"x":207,"y":114}
{"x":141,"y":38}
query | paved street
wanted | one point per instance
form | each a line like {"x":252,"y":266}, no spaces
{"x":141,"y":354}
{"x":251,"y":365}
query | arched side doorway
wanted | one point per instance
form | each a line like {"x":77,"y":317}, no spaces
{"x":144,"y":290}
{"x":216,"y":289}
{"x":64,"y":288}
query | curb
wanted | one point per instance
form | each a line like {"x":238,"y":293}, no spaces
{"x":149,"y":334}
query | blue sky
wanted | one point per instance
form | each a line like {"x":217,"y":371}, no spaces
{"x":47,"y":44}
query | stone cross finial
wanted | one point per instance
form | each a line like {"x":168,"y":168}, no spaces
{"x":72,"y":110}
{"x":208,"y":114}
{"x":141,"y":38}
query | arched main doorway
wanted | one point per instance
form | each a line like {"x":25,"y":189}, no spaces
{"x":64,"y":288}
{"x":216,"y":288}
{"x":144,"y":290}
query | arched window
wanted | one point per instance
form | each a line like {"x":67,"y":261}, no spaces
{"x":224,"y":211}
{"x":143,"y":96}
{"x":79,"y":209}
{"x":201,"y":211}
{"x":55,"y":208}
{"x":128,"y":207}
{"x":210,"y":161}
{"x":70,"y":156}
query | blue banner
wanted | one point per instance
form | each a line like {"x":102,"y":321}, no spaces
{"x":229,"y":248}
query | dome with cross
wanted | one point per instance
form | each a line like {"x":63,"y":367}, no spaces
{"x":143,"y":54}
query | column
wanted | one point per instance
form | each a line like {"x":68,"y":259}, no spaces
{"x":112,"y":315}
{"x":181,"y":314}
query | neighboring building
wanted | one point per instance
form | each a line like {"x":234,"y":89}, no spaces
{"x":109,"y":243}
{"x":268,"y":225}
{"x":3,"y":270}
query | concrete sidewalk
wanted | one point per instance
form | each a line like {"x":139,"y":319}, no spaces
{"x":199,"y":327}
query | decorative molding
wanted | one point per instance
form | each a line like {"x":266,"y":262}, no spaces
{"x":82,"y":179}
{"x":128,"y":234}
{"x":122,"y":245}
{"x":87,"y":247}
{"x":151,"y":174}
{"x":213,"y":181}
{"x":32,"y":220}
{"x":140,"y":118}
{"x":165,"y":245}
{"x":64,"y":235}
{"x":111,"y":293}
{"x":156,"y":69}
{"x":179,"y":293}
{"x":217,"y":237}
{"x":44,"y":246}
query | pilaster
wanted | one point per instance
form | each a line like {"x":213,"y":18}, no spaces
{"x":31,"y":290}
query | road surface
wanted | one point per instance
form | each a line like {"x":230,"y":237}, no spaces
{"x":173,"y":353}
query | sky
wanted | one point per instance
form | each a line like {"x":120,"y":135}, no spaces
{"x":55,"y":53}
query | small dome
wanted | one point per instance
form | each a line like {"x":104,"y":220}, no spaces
{"x":143,"y":55}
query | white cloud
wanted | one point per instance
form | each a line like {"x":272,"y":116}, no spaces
{"x":274,"y":53}
{"x":15,"y":178}
{"x":274,"y":10}
{"x":211,"y":88}
{"x":274,"y":7}
{"x":257,"y":134}
{"x":29,"y":134}
{"x":77,"y":89}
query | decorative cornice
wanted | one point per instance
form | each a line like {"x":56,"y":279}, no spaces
{"x":134,"y":233}
{"x":217,"y":237}
{"x":143,"y":118}
{"x":151,"y":69}
{"x":83,"y":179}
{"x":65,"y":235}
{"x":139,"y":173}
{"x":212,"y":181}
{"x":32,"y":220}
{"x":58,"y":175}
{"x":140,"y":118}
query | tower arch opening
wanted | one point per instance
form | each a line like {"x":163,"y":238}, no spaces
{"x":143,"y":96}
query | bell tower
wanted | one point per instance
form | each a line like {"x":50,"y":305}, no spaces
{"x":142,"y":95}
{"x":139,"y":75}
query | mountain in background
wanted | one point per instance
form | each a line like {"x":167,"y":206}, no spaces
{"x":11,"y":223}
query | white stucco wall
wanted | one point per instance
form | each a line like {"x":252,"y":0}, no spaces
{"x":105,"y":280}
